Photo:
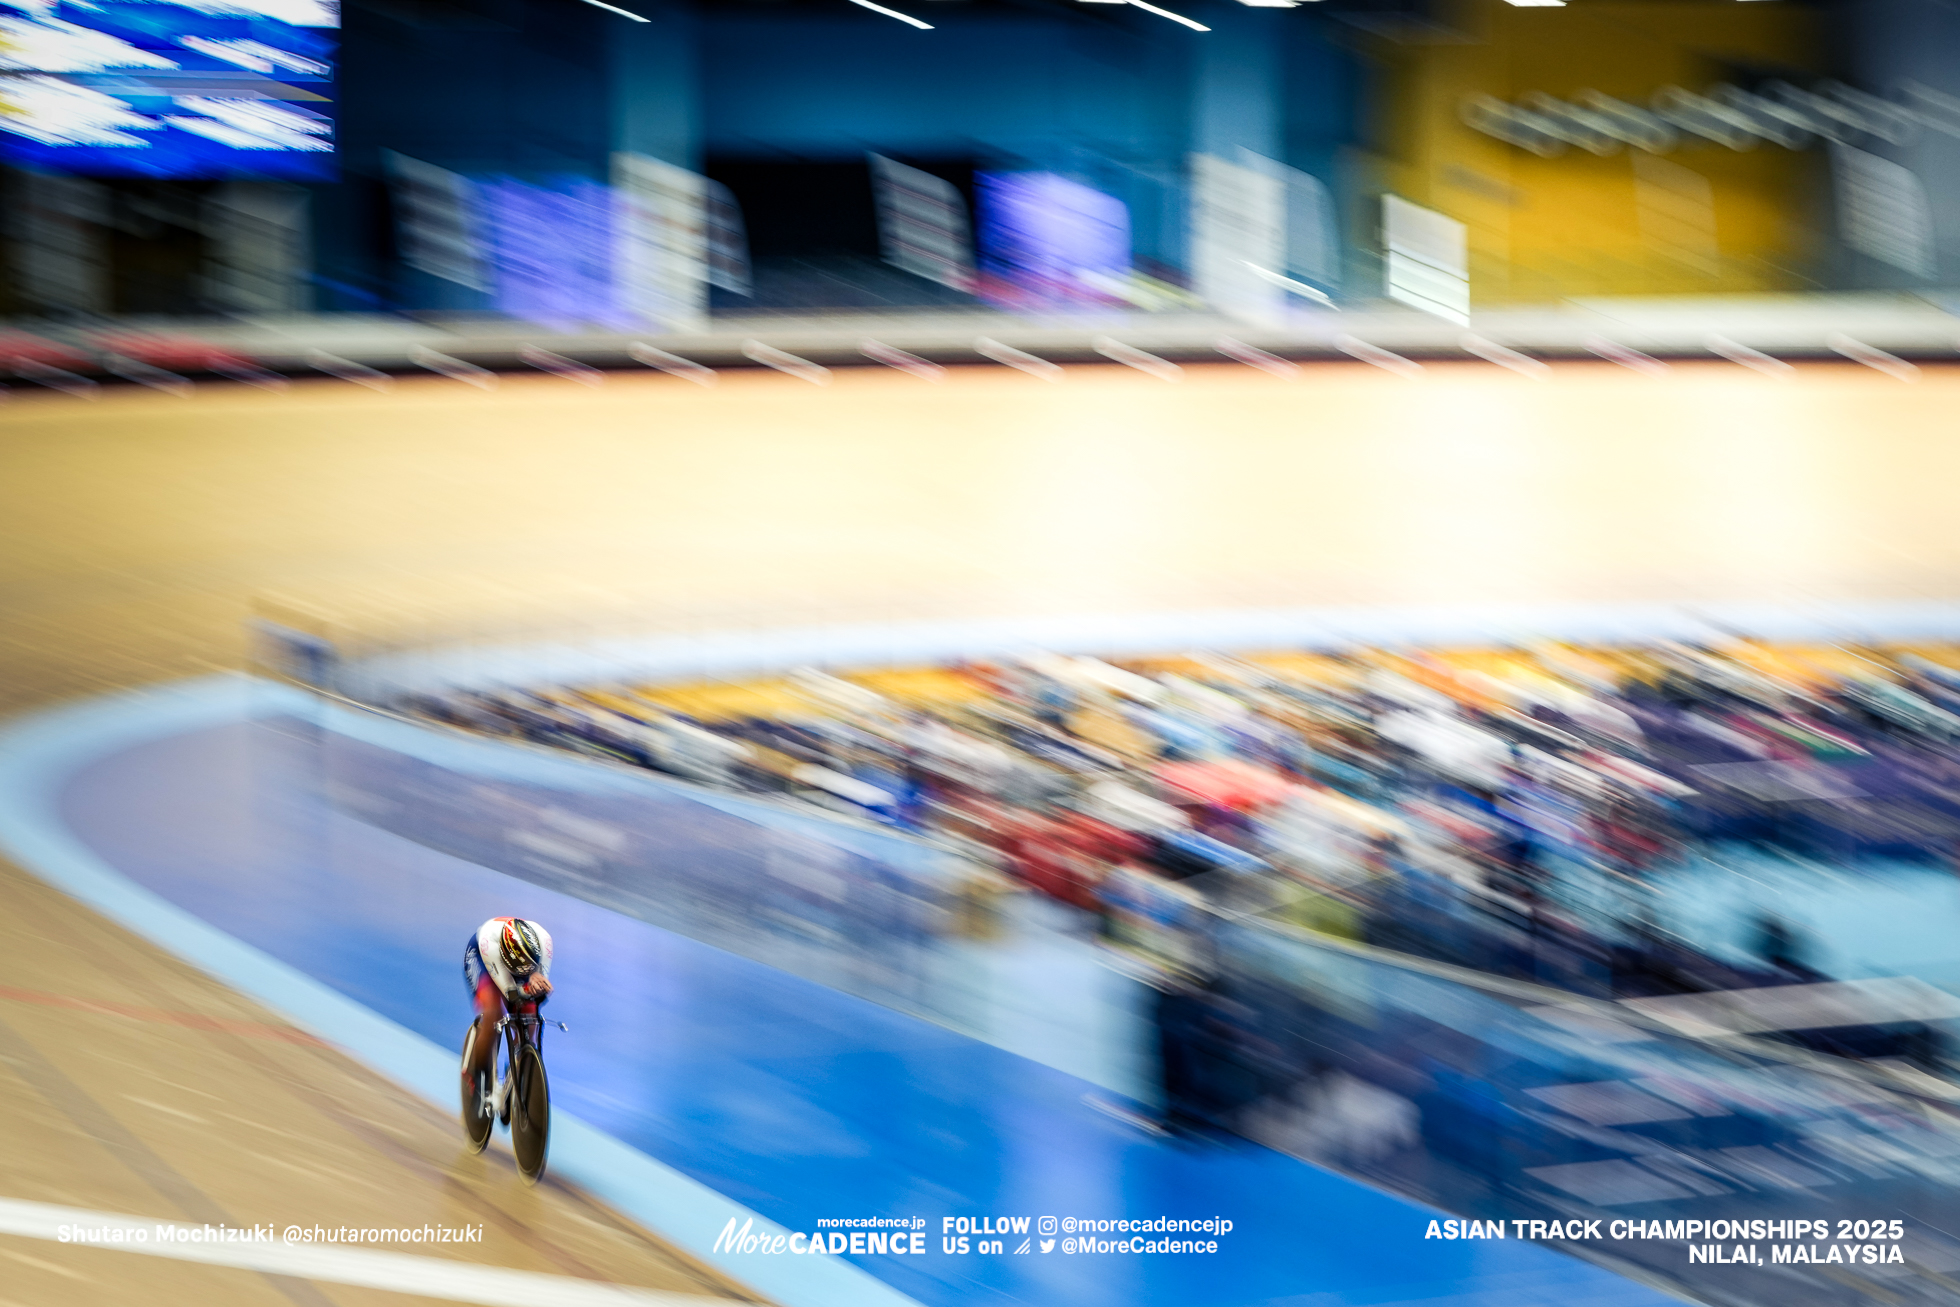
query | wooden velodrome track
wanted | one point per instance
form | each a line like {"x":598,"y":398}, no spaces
{"x":137,"y":531}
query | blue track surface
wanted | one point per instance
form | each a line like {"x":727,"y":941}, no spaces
{"x":792,"y":1099}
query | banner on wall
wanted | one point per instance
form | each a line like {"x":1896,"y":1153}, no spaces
{"x":1045,"y":239}
{"x":436,"y":221}
{"x":663,"y":247}
{"x":676,"y":233}
{"x":1883,"y":212}
{"x":922,"y":223}
{"x":1428,"y":259}
{"x":257,"y":236}
{"x":552,"y":251}
{"x":1260,"y":231}
{"x":1675,"y":209}
{"x":1313,"y":244}
{"x":57,"y":230}
{"x":728,"y":240}
{"x":1238,"y":235}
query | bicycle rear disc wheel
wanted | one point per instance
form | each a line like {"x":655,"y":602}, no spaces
{"x":478,"y":1117}
{"x":530,"y":1115}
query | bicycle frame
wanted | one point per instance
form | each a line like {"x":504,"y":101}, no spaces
{"x":518,"y":1029}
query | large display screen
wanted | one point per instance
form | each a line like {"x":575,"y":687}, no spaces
{"x":174,"y":88}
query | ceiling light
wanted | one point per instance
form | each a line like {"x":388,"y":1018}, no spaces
{"x":1191,"y":23}
{"x":879,"y":9}
{"x":615,"y":9}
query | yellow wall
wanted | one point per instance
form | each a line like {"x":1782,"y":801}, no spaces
{"x":1543,"y":229}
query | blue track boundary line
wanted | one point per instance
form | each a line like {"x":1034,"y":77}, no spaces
{"x":38,"y":752}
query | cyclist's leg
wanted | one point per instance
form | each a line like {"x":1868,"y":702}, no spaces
{"x":489,"y":1010}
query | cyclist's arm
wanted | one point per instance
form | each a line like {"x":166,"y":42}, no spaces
{"x":538,"y":986}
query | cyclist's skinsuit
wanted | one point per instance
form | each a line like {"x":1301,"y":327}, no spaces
{"x":492,"y":984}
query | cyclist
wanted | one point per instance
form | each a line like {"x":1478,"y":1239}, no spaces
{"x":505,"y":966}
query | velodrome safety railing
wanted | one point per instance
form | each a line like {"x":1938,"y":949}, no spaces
{"x":1665,"y":1153}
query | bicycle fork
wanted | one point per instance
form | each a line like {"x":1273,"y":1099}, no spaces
{"x":498,"y":1094}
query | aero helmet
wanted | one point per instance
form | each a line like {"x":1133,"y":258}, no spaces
{"x":522,"y":952}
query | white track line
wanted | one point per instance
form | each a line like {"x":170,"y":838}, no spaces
{"x":557,"y":364}
{"x":1613,"y":352}
{"x":672,"y":364}
{"x":1254,"y":357}
{"x":453,"y":368}
{"x":248,"y":374}
{"x":1872,"y":357}
{"x":1375,"y":354}
{"x":1505,"y":357}
{"x":427,"y":1277}
{"x":1132,"y":357}
{"x":893,"y":357}
{"x":771,"y":357}
{"x":348,"y":370}
{"x":1018,"y":359}
{"x":1754,"y":359}
{"x":145,"y":374}
{"x":68,"y":383}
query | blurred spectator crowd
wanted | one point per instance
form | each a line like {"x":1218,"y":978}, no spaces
{"x":1515,"y":812}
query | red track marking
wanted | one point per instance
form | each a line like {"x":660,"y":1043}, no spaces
{"x":192,"y":1020}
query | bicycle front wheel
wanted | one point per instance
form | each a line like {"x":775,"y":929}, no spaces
{"x":530,"y":1114}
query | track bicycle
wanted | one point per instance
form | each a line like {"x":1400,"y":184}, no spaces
{"x":512,"y":1089}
